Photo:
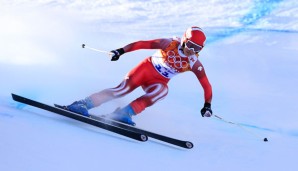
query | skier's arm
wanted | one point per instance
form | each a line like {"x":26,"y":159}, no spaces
{"x":147,"y":44}
{"x":198,"y":69}
{"x":142,"y":44}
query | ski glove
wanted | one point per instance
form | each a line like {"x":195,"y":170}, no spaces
{"x":115,"y":54}
{"x":206,"y":110}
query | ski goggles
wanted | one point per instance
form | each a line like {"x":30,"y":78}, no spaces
{"x":195,"y":47}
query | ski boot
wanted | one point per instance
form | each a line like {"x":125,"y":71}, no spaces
{"x":81,"y":107}
{"x":123,"y":115}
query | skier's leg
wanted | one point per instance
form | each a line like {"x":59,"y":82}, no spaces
{"x":106,"y":95}
{"x":96,"y":99}
{"x":154,"y":93}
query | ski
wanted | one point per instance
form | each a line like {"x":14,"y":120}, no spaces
{"x":113,"y":128}
{"x":180,"y":143}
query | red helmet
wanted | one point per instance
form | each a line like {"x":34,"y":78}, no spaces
{"x":195,"y":35}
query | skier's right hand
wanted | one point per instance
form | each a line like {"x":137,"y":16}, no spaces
{"x":115,"y":54}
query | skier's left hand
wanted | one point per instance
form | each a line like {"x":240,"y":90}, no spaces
{"x":206,"y":110}
{"x":115,"y":54}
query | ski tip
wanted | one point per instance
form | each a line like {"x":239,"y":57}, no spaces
{"x":17,"y":97}
{"x":13,"y":95}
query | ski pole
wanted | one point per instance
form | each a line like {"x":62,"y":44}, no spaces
{"x":98,"y":50}
{"x":240,"y":126}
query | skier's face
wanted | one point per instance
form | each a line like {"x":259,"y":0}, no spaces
{"x":188,"y":52}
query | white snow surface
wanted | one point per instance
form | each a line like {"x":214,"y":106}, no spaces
{"x":251,"y":59}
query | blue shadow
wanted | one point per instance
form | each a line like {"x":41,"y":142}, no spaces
{"x":260,"y":9}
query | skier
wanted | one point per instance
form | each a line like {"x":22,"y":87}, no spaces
{"x":174,"y":56}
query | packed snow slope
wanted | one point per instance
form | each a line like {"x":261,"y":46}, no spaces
{"x":250,"y":58}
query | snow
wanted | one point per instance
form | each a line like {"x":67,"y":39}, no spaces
{"x":250,"y":58}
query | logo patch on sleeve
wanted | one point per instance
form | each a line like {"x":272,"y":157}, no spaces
{"x":200,"y":68}
{"x":192,"y":60}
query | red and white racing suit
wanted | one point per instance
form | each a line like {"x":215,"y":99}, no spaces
{"x":153,"y":74}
